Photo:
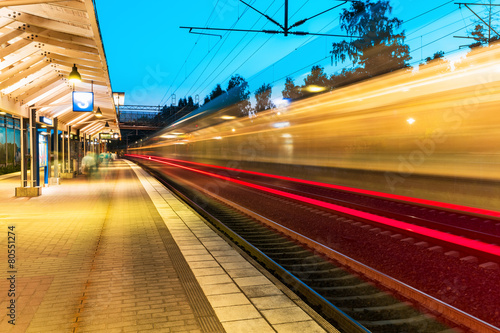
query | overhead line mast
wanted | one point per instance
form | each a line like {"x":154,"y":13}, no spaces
{"x":490,"y":28}
{"x":285,"y":30}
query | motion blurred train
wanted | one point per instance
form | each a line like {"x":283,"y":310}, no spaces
{"x":432,"y":133}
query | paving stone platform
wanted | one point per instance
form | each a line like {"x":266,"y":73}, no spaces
{"x":120,"y":253}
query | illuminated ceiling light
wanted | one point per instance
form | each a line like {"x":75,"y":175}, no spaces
{"x":98,"y":113}
{"x":74,"y":76}
{"x":3,"y":113}
{"x":228,"y":117}
{"x":169,"y":136}
{"x":233,"y":130}
{"x":218,"y":138}
{"x":410,"y":121}
{"x":177,"y":133}
{"x":107,"y":125}
{"x":315,"y":89}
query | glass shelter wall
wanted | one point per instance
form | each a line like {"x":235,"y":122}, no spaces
{"x":10,"y":141}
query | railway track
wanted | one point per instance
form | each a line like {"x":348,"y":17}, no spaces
{"x":318,"y":278}
{"x":469,"y":226}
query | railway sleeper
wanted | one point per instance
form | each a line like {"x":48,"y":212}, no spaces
{"x":295,"y":255}
{"x":329,"y":281}
{"x":289,"y":247}
{"x":420,"y":323}
{"x":320,"y":264}
{"x":359,"y":301}
{"x":308,"y":273}
{"x":365,"y":288}
{"x":399,"y":310}
{"x":275,"y":239}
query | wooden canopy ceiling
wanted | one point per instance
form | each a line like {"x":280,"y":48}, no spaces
{"x":39,"y":43}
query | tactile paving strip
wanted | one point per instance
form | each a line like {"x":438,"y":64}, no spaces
{"x":203,"y":311}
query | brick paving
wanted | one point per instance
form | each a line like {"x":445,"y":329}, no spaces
{"x":90,"y":259}
{"x":120,"y":253}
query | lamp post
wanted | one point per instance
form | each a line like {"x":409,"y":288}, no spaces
{"x":119,"y":99}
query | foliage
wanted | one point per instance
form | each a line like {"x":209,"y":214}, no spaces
{"x":317,"y":77}
{"x":437,"y":55}
{"x":9,"y":169}
{"x":478,"y":34}
{"x":291,"y":91}
{"x":240,"y":86}
{"x":346,"y":77}
{"x":263,"y":98}
{"x":378,"y":48}
{"x":216,"y":92}
{"x":168,"y":114}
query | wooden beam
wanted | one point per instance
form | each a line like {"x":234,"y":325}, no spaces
{"x":7,"y":3}
{"x":18,"y":92}
{"x":18,"y":56}
{"x":36,"y":92}
{"x":56,"y":95}
{"x":14,"y":47}
{"x":97,"y":36}
{"x":40,"y":84}
{"x":70,"y":53}
{"x":77,"y":61}
{"x":65,"y":45}
{"x":75,"y":29}
{"x":68,"y":66}
{"x":70,"y":4}
{"x":21,"y":66}
{"x":11,"y":35}
{"x":59,"y":14}
{"x":65,"y":37}
{"x":25,"y":73}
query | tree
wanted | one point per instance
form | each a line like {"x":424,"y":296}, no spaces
{"x":437,"y":55}
{"x":182,"y":102}
{"x":190,"y":102}
{"x":239,"y":86}
{"x":216,"y":92}
{"x":346,"y":76}
{"x":263,"y":98}
{"x":317,"y":77}
{"x":291,"y":91}
{"x":478,"y":35}
{"x":378,"y":49}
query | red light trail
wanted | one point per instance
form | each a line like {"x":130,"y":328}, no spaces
{"x":458,"y":240}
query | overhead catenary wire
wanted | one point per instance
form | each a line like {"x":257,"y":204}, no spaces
{"x":224,"y":39}
{"x":248,"y":58}
{"x":241,"y":50}
{"x":189,"y":55}
{"x":428,"y":11}
{"x":259,"y":48}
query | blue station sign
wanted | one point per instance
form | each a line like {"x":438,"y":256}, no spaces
{"x":83,"y":101}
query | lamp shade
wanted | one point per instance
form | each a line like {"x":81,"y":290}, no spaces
{"x":107,"y":125}
{"x":98,"y":113}
{"x":74,"y":76}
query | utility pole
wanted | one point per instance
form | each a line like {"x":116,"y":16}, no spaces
{"x":284,"y":29}
{"x":490,"y":28}
{"x":489,"y":25}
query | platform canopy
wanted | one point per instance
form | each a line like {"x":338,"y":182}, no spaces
{"x":40,"y":42}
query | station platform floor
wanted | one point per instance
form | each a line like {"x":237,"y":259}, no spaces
{"x":120,"y":253}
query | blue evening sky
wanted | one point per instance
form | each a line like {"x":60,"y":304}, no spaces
{"x":150,"y":57}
